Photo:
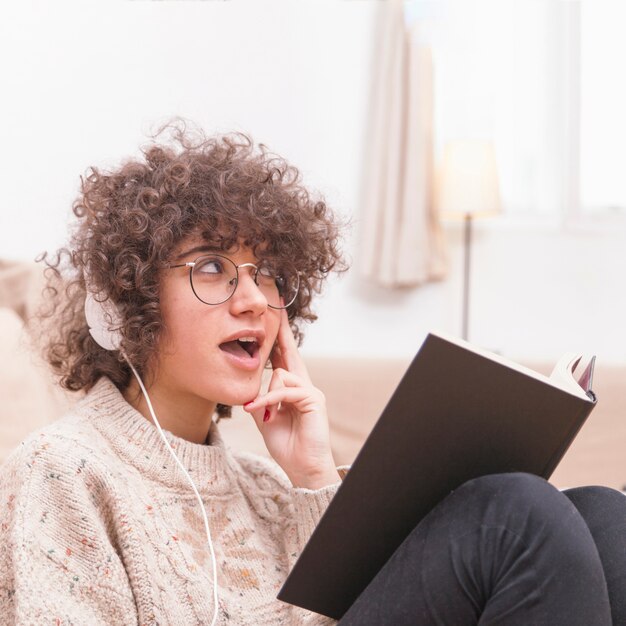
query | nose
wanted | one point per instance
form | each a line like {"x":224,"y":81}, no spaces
{"x":247,"y":296}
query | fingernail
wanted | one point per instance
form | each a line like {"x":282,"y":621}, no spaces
{"x":266,"y":415}
{"x":247,"y":403}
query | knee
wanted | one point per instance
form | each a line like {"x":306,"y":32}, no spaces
{"x":598,"y":504}
{"x":520,"y":485}
{"x":596,"y":494}
{"x":518,"y":509}
{"x":515,"y":492}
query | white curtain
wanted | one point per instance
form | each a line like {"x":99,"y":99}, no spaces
{"x":402,"y":243}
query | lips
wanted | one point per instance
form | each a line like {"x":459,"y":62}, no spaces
{"x":242,"y":349}
{"x":257,"y":334}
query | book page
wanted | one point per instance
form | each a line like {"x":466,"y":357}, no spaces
{"x":575,"y":371}
{"x":562,"y":375}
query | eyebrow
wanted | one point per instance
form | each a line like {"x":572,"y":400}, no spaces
{"x":201,"y":248}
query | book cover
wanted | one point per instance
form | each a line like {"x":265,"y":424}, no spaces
{"x":459,"y":412}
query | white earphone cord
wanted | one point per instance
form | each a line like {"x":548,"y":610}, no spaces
{"x":204,"y":515}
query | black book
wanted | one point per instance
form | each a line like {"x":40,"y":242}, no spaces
{"x":459,"y":412}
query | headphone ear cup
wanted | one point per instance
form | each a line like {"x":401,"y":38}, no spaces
{"x":103,"y":319}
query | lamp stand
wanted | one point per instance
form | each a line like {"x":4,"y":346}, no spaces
{"x":466,"y":278}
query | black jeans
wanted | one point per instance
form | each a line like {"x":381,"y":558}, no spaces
{"x":506,"y":550}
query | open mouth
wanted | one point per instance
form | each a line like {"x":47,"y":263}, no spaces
{"x":241,"y":348}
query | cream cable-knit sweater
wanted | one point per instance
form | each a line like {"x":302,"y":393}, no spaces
{"x":98,"y":525}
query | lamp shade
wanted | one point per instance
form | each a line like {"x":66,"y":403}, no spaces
{"x":467,"y":182}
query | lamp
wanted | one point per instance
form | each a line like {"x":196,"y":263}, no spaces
{"x":467,"y":189}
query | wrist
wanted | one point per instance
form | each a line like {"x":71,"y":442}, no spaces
{"x":316,"y":479}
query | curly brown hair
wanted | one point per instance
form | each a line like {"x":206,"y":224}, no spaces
{"x":130,"y":219}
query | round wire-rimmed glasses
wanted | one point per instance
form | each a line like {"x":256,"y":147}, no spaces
{"x":214,"y":279}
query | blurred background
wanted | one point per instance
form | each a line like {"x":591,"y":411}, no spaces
{"x":475,"y":146}
{"x":84,"y":83}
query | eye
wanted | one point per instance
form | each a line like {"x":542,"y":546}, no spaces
{"x":210,"y":266}
{"x":269,"y":274}
{"x":281,"y":275}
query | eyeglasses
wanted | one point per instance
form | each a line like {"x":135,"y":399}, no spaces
{"x":214,"y":279}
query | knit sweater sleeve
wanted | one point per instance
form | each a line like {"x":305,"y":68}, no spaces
{"x":295,"y":510}
{"x":58,"y":561}
{"x":308,"y":506}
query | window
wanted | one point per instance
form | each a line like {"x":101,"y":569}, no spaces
{"x":602,"y":106}
{"x":542,"y":80}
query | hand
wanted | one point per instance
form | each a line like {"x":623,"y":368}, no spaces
{"x":295,"y":428}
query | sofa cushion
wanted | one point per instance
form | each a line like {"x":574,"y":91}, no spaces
{"x":29,"y":397}
{"x":356,"y":391}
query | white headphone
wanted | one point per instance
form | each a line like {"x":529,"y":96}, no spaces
{"x":104,"y":322}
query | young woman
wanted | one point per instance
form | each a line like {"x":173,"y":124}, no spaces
{"x":189,"y":271}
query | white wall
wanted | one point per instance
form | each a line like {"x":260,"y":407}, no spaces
{"x":84,"y":82}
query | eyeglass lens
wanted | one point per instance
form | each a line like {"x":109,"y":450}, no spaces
{"x":214,"y":280}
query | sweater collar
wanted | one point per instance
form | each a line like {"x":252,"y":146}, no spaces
{"x":138,"y":441}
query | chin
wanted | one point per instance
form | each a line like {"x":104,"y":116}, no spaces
{"x":242,"y":393}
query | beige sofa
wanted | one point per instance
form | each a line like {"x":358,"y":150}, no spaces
{"x":356,"y":391}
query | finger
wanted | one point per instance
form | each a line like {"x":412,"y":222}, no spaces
{"x":280,"y":378}
{"x":292,"y":360}
{"x":260,"y":416}
{"x":283,"y":377}
{"x":261,"y":412}
{"x":276,"y":382}
{"x":291,"y":395}
{"x":276,"y":358}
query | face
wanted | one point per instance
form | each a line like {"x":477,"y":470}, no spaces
{"x":196,"y":361}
